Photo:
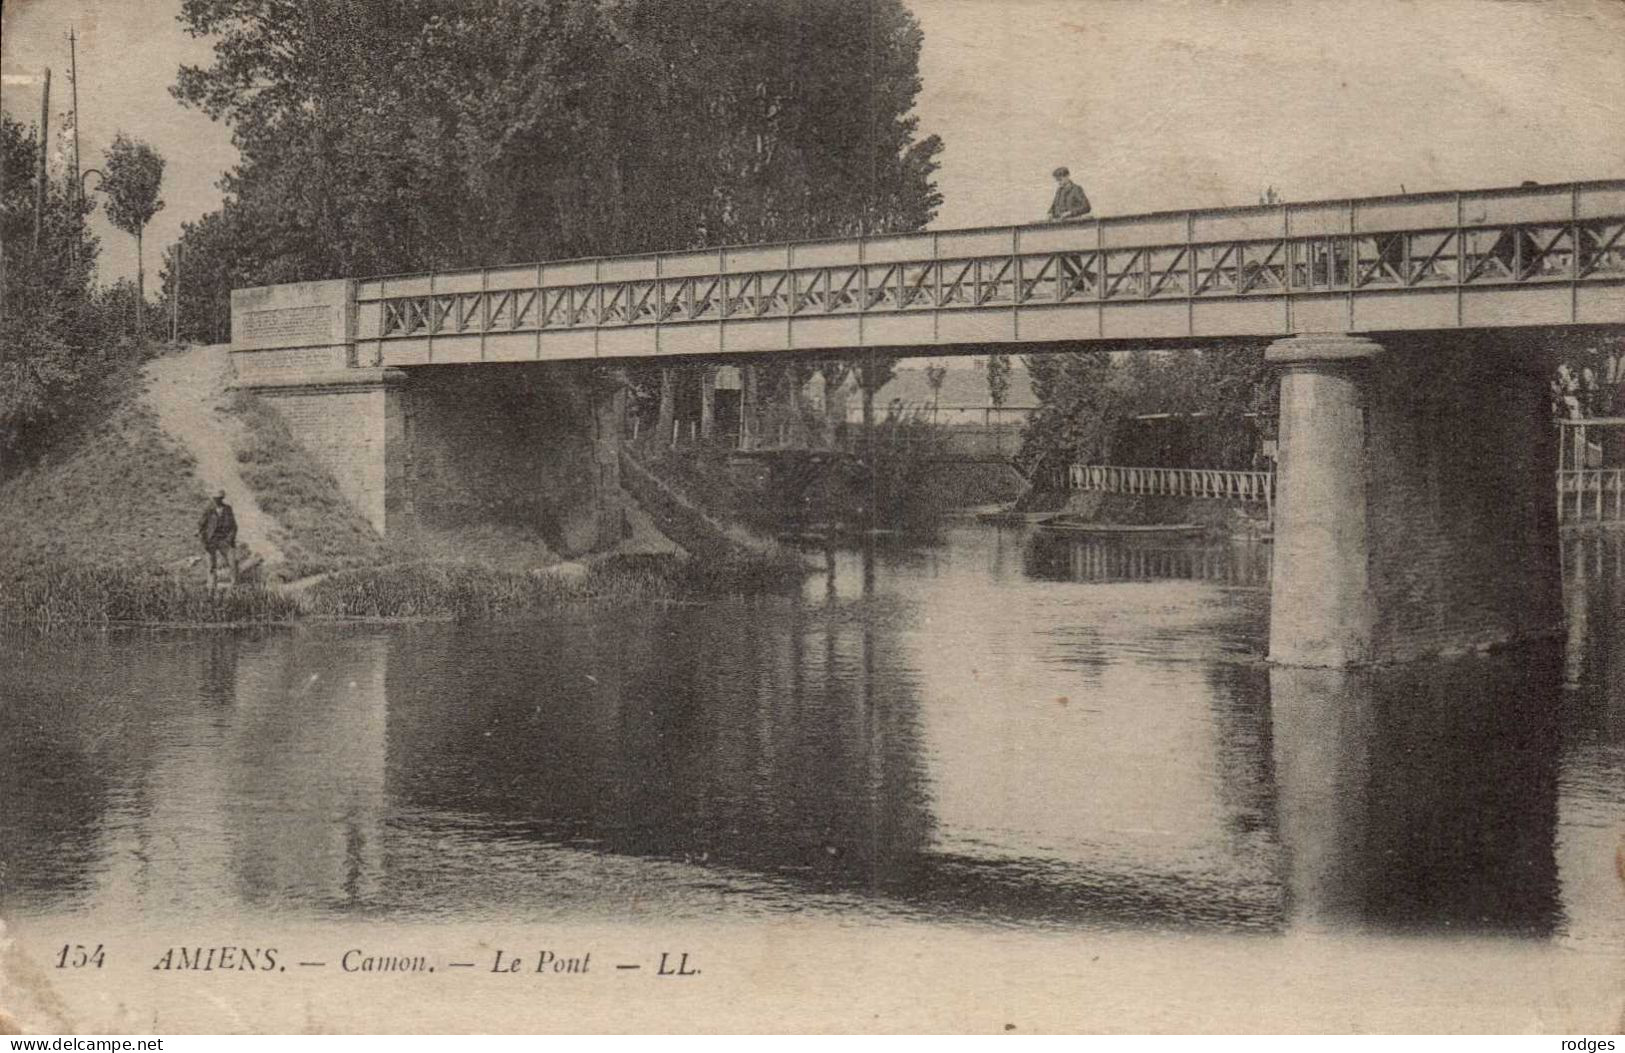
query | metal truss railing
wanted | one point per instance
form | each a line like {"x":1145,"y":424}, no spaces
{"x":1573,"y":233}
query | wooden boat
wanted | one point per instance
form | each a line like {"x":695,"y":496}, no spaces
{"x":1013,"y":517}
{"x":1068,"y":525}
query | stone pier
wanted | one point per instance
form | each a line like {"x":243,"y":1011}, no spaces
{"x":293,"y":345}
{"x":526,"y":443}
{"x":1414,"y":512}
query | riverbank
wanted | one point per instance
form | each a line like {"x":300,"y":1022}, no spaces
{"x":1214,"y":518}
{"x":60,"y":597}
{"x":100,"y":529}
{"x":125,"y":485}
{"x":473,"y":591}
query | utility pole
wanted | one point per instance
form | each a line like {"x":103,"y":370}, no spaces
{"x":39,"y":175}
{"x":869,"y":131}
{"x":78,"y":188}
{"x":2,"y":265}
{"x":175,"y":300}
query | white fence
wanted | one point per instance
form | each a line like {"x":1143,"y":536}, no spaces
{"x":1584,"y":495}
{"x":1587,"y":492}
{"x":1591,"y":495}
{"x":1175,"y":482}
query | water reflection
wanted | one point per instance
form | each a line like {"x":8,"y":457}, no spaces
{"x":958,"y":732}
{"x":312,"y":717}
{"x":1591,"y":801}
{"x":732,"y":742}
{"x":1056,"y":556}
{"x":1420,"y":798}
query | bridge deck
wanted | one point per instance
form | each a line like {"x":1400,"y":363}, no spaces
{"x":1548,"y":255}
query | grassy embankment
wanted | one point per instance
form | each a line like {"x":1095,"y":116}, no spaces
{"x":319,"y":531}
{"x":112,"y":491}
{"x":64,"y":595}
{"x":98,"y":530}
{"x":101,"y":532}
{"x":61,"y":596}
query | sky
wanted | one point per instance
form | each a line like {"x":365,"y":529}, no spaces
{"x":1153,"y":104}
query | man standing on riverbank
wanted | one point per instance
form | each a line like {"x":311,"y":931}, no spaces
{"x":218,"y":531}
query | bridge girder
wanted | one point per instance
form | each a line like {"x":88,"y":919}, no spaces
{"x":1552,"y":255}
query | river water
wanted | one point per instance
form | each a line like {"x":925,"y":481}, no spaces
{"x":1007,"y":729}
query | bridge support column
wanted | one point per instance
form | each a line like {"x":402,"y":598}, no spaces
{"x":668,"y":406}
{"x":1414,"y":512}
{"x":608,"y":500}
{"x":748,"y":424}
{"x":1321,"y":610}
{"x":708,"y":399}
{"x":355,"y":423}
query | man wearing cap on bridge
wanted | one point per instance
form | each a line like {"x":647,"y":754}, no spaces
{"x":1070,"y":203}
{"x":218,"y":532}
{"x":1070,"y":200}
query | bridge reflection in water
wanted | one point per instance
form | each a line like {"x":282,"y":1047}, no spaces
{"x":899,"y":740}
{"x":1420,"y":799}
{"x":1059,"y":557}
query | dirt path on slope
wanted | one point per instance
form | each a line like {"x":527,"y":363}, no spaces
{"x":187,"y":390}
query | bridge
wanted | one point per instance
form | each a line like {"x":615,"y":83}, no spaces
{"x":1527,"y":256}
{"x":1413,"y":503}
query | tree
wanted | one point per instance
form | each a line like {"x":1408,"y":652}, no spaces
{"x":542,"y":131}
{"x":1075,"y":412}
{"x":834,"y":372}
{"x":1221,"y":396}
{"x":49,"y":324}
{"x":998,"y":379}
{"x":218,"y":253}
{"x":935,"y":374}
{"x":135,"y":173}
{"x":875,"y":370}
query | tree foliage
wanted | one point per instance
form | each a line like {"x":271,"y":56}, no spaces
{"x":875,"y":369}
{"x":381,"y":136}
{"x":998,"y":378}
{"x":134,"y":175}
{"x":214,"y":255}
{"x":1076,"y":408}
{"x":1225,"y":397}
{"x":49,"y":325}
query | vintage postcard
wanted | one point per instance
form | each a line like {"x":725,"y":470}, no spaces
{"x":992,"y":516}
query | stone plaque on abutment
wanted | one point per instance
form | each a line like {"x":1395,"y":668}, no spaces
{"x":282,"y":333}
